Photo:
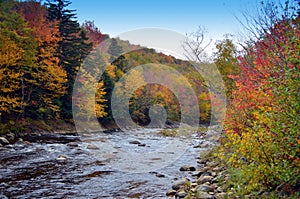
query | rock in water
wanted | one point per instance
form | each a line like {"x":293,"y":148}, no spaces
{"x":61,"y":157}
{"x":92,"y":147}
{"x":187,"y":168}
{"x":134,"y":142}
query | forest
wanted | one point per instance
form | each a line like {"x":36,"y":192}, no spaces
{"x":42,"y":47}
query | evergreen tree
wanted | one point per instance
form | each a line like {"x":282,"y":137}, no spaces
{"x":73,"y":47}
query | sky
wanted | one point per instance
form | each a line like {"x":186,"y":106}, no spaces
{"x":114,"y":17}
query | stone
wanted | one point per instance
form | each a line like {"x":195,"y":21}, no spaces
{"x":204,"y":179}
{"x":206,"y":173}
{"x":187,"y":168}
{"x":4,"y":141}
{"x":204,"y":195}
{"x":171,"y":193}
{"x":72,"y":144}
{"x":92,"y":147}
{"x":61,"y":157}
{"x":134,"y":142}
{"x":204,"y":188}
{"x":197,"y":173}
{"x":180,"y":183}
{"x":142,"y":145}
{"x":181,"y":194}
{"x":159,"y":175}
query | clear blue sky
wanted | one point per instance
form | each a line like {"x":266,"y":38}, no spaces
{"x":116,"y":16}
{"x":184,"y":16}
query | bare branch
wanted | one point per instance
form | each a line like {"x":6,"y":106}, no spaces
{"x":194,"y":46}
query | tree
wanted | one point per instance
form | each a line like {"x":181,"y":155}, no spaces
{"x":48,"y":80}
{"x":93,"y":33}
{"x":262,"y":128}
{"x":72,"y":49}
{"x":18,"y":55}
{"x":226,"y":61}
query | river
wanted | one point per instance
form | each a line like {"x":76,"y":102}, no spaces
{"x":86,"y":170}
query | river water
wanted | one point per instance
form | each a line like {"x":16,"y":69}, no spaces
{"x":89,"y":170}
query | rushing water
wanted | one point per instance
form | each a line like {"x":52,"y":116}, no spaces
{"x":36,"y":171}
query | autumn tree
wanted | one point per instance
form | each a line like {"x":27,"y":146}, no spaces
{"x":48,"y":80}
{"x":93,"y":33}
{"x":17,"y":54}
{"x":262,"y":128}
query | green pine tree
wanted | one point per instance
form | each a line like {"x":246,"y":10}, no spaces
{"x":72,"y":49}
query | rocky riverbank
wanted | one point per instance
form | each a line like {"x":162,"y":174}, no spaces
{"x":205,"y":181}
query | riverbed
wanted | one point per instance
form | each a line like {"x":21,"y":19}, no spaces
{"x":103,"y":165}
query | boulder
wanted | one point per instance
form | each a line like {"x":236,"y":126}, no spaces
{"x":187,"y":168}
{"x":171,"y":193}
{"x":73,"y":144}
{"x":204,"y":188}
{"x":181,"y":194}
{"x":204,"y":195}
{"x":180,"y":183}
{"x":159,"y":175}
{"x":204,"y":179}
{"x":134,"y":142}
